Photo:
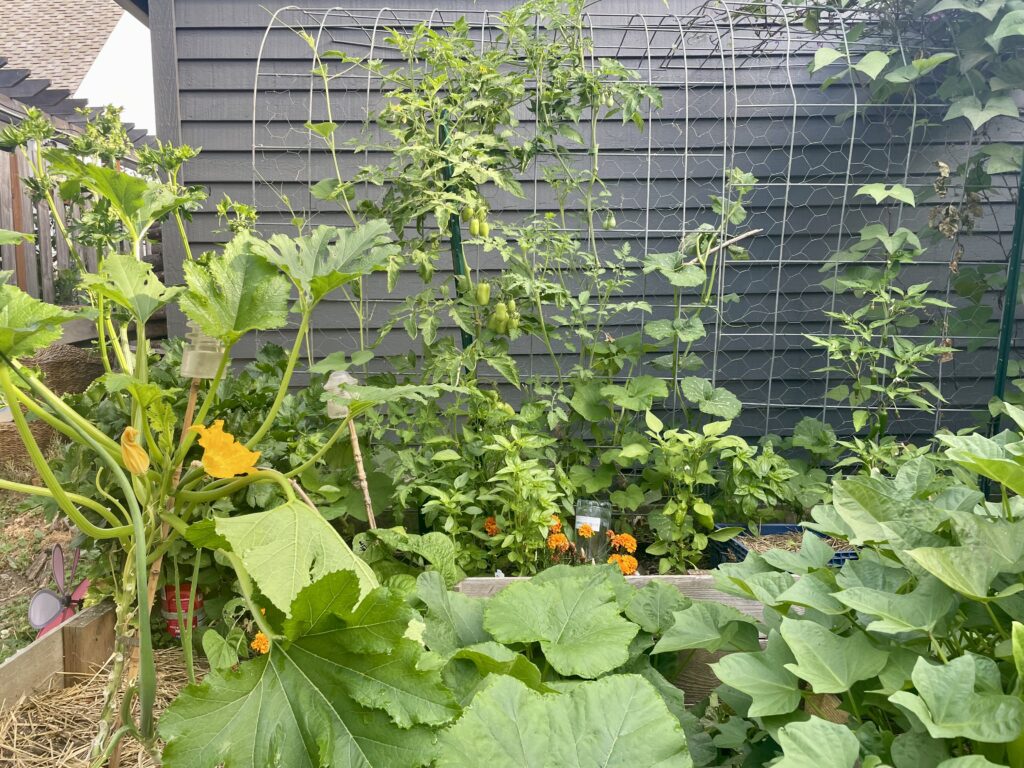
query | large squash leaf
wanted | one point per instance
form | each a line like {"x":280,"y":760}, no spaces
{"x":26,"y":324}
{"x":131,"y":284}
{"x":284,"y":549}
{"x":574,"y":615}
{"x":453,"y":620}
{"x":137,"y":202}
{"x":325,"y":696}
{"x":331,"y":256}
{"x":618,"y":720}
{"x":235,"y":292}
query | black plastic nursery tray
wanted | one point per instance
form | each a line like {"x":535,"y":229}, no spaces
{"x":735,"y":551}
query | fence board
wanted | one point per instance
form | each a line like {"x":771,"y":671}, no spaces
{"x":88,"y":255}
{"x":45,"y":250}
{"x":6,"y":216}
{"x":25,"y":261}
{"x":62,"y":257}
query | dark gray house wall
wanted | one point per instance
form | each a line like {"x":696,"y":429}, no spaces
{"x":234,"y":80}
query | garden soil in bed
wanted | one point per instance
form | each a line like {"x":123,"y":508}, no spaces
{"x":790,"y":542}
{"x":55,"y":729}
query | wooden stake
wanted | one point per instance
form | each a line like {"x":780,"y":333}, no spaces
{"x":361,"y":473}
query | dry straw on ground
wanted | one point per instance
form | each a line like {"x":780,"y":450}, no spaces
{"x":55,"y":729}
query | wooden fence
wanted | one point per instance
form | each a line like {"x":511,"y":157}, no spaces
{"x":37,"y":264}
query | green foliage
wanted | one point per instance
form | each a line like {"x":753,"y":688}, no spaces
{"x":235,"y":292}
{"x":879,"y":365}
{"x":284,"y":549}
{"x":132,"y":285}
{"x":572,"y":613}
{"x":348,"y":663}
{"x":617,"y":720}
{"x":329,"y":258}
{"x":910,"y":642}
{"x":26,"y":324}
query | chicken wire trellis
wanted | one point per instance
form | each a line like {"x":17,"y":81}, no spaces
{"x":737,"y":94}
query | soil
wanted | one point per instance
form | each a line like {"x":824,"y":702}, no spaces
{"x":26,"y":539}
{"x":788,"y":541}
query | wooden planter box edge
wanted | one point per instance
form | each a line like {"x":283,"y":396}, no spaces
{"x":71,"y":652}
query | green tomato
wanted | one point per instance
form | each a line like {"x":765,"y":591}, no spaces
{"x":474,"y":227}
{"x":483,"y":294}
{"x":485,"y":229}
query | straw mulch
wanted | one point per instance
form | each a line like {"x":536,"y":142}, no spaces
{"x":55,"y":729}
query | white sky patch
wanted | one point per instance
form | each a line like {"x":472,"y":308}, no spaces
{"x":123,"y":74}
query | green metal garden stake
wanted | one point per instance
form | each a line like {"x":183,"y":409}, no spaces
{"x":455,"y":228}
{"x":1007,"y":326}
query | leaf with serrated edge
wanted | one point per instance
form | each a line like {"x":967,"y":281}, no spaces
{"x":287,"y":548}
{"x":575,"y":619}
{"x":312,"y":702}
{"x":26,"y":324}
{"x":235,"y":292}
{"x":615,"y":721}
{"x":453,"y":620}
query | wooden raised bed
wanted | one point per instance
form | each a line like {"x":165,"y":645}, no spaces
{"x":697,"y":585}
{"x":73,"y":651}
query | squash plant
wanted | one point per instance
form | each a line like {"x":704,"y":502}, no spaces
{"x":148,"y":485}
{"x":551,"y":672}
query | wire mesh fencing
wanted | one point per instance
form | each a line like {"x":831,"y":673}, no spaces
{"x":737,"y":93}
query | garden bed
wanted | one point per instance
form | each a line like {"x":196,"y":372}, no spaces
{"x":56,"y":727}
{"x":698,"y":585}
{"x":784,"y":536}
{"x":72,"y":652}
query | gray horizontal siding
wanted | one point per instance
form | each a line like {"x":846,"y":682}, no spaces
{"x":722,"y":108}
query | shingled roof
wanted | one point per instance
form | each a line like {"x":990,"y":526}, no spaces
{"x":56,"y":39}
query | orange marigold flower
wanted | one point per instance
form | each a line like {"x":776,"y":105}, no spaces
{"x":556,"y":524}
{"x":610,"y":533}
{"x":260,"y":643}
{"x":624,"y":541}
{"x":558,"y":542}
{"x":224,"y":456}
{"x":585,"y":531}
{"x":626,"y":563}
{"x":491,"y":527}
{"x":134,"y":456}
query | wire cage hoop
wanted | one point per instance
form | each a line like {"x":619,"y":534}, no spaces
{"x":737,"y":93}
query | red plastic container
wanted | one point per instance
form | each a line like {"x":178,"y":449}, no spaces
{"x":170,"y":610}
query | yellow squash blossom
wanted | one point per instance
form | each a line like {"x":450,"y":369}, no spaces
{"x":134,"y":456}
{"x":223,"y":455}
